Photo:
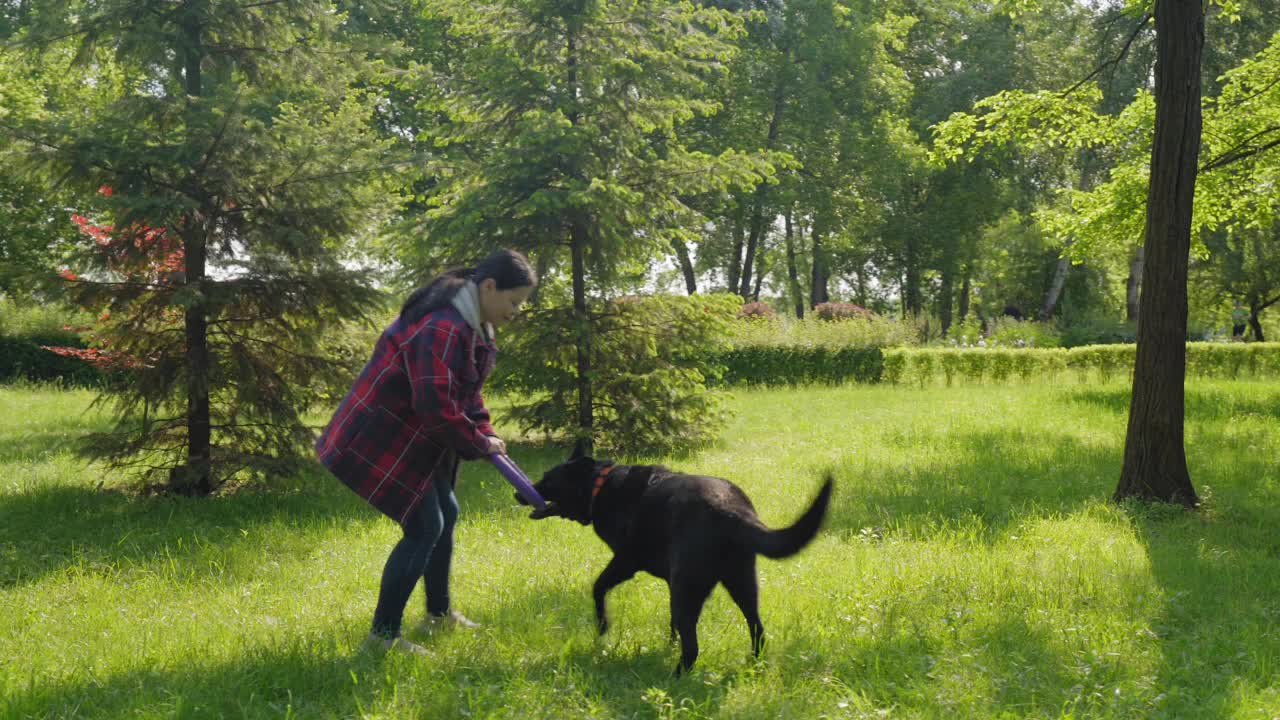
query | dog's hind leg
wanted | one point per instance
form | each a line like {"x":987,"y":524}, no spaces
{"x":688,"y":595}
{"x":615,"y":573}
{"x":740,"y":580}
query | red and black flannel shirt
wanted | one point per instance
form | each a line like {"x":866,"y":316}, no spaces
{"x":414,"y":409}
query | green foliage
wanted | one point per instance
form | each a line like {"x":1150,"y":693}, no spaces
{"x":1008,"y":332}
{"x":652,"y":358}
{"x":1233,"y":360}
{"x":1240,"y":125}
{"x":23,"y":357}
{"x":231,"y":161}
{"x":1098,"y":329}
{"x":877,"y":331}
{"x":550,"y":114}
{"x":965,"y":333}
{"x":39,"y":319}
{"x":36,"y":232}
{"x":24,"y":332}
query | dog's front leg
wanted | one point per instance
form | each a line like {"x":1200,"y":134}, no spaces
{"x":614,"y":574}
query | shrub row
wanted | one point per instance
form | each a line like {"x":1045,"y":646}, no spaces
{"x":1101,"y":362}
{"x":767,"y":365}
{"x":796,"y":365}
{"x":23,"y":358}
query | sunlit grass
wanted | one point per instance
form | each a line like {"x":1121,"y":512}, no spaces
{"x":971,"y":567}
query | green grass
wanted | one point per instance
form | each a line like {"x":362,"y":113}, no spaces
{"x":971,"y":568}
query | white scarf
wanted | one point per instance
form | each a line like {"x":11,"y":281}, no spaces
{"x":467,"y":301}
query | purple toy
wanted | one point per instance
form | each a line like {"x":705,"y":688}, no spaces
{"x":518,"y":479}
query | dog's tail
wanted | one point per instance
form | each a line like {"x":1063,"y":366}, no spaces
{"x":790,"y":540}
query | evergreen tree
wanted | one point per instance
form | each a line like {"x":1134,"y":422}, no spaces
{"x":562,"y":136}
{"x":237,"y":163}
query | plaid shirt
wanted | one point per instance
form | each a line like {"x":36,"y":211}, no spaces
{"x":413,"y":410}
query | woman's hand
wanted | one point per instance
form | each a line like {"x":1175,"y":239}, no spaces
{"x":496,"y":445}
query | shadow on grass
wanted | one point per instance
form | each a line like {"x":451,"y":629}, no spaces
{"x":319,"y":677}
{"x":1220,"y":579}
{"x":49,"y":441}
{"x":1202,"y":403}
{"x":987,"y":477}
{"x":52,"y":526}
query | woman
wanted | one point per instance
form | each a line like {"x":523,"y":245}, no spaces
{"x":413,"y":412}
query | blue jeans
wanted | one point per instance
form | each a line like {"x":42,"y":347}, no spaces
{"x":425,"y":551}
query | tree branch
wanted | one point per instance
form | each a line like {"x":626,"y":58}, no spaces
{"x":1146,"y":18}
{"x":1241,"y":150}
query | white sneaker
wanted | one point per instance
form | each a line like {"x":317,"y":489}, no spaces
{"x":396,"y":644}
{"x":454,"y":619}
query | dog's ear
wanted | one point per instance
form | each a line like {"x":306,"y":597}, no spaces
{"x":581,"y":449}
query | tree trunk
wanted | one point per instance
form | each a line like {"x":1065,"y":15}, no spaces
{"x":966,"y":287}
{"x":1134,"y":283}
{"x":1155,"y":461}
{"x":820,"y":276}
{"x":793,"y":273}
{"x":1255,"y":313}
{"x":760,"y":273}
{"x":762,"y":190}
{"x":578,"y":238}
{"x":1055,"y":286}
{"x":542,"y":266}
{"x":578,"y":252}
{"x":686,"y":266}
{"x":1088,"y":160}
{"x":944,"y":300}
{"x":753,"y":239}
{"x":196,"y":477}
{"x":911,"y":291}
{"x":739,"y":236}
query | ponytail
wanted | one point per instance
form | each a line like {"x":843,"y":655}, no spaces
{"x":508,"y":268}
{"x":435,"y":294}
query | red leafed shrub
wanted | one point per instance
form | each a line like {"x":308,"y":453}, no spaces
{"x":840,"y":311}
{"x":757,"y":311}
{"x":97,"y":357}
{"x":138,"y":256}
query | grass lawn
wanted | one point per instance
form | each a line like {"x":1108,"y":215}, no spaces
{"x":971,"y":567}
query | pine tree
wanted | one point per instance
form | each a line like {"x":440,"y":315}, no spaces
{"x":238,"y":163}
{"x":561,"y":135}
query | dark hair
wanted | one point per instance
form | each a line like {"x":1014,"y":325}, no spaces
{"x":508,"y":268}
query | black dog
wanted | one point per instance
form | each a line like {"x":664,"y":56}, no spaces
{"x":690,"y":530}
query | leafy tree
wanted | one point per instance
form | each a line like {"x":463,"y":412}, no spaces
{"x":1155,"y":462}
{"x":35,"y":224}
{"x":955,"y":54}
{"x":1240,"y":264}
{"x":239,"y":159}
{"x":1240,"y":132}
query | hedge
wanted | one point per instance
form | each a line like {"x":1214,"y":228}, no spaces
{"x":922,"y":366}
{"x":23,"y":358}
{"x":769,"y":365}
